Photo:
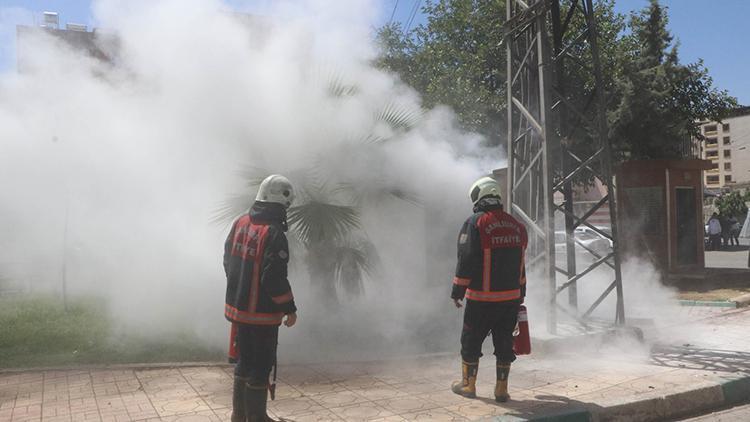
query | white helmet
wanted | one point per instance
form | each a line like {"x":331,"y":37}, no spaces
{"x":486,"y":186}
{"x":276,"y":189}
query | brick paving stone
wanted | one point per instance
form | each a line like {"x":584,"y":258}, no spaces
{"x":378,"y":392}
{"x":407,"y":404}
{"x":711,"y":346}
{"x":364,"y":411}
{"x":293,"y":407}
{"x":437,"y":415}
{"x":312,"y":388}
{"x":320,"y":415}
{"x":338,"y":399}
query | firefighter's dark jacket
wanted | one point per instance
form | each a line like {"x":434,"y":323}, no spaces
{"x":491,"y":250}
{"x":256,"y":255}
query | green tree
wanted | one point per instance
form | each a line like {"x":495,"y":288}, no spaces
{"x":457,"y":58}
{"x":732,"y":204}
{"x":660,"y":100}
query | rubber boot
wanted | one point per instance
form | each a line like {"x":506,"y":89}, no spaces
{"x":501,"y":387}
{"x":467,"y":387}
{"x":255,"y":401}
{"x":238,"y":400}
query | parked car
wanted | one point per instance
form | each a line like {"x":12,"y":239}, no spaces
{"x":584,"y":237}
{"x":596,"y":234}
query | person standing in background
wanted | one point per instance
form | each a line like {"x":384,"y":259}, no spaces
{"x":734,"y":231}
{"x":714,"y":233}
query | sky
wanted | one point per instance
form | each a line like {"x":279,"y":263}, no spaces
{"x":718,"y":34}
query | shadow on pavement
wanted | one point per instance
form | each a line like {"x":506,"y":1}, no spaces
{"x":704,"y":359}
{"x":543,"y":405}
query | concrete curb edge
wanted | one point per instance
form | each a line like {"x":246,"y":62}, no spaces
{"x":736,"y":391}
{"x":691,"y":402}
{"x":732,"y":303}
{"x":742,"y":300}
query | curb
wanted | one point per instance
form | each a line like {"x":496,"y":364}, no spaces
{"x":723,"y":394}
{"x":732,"y":303}
{"x":736,"y":391}
{"x":742,"y":300}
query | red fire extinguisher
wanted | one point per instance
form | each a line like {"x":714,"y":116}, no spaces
{"x":521,"y":338}
{"x":233,"y":344}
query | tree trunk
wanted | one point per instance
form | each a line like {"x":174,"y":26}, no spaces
{"x":321,"y":268}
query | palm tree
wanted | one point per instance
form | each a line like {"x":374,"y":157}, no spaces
{"x":326,"y":218}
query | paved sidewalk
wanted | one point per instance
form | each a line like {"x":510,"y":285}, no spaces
{"x":680,"y":375}
{"x":739,"y":413}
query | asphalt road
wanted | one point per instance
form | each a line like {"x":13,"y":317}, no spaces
{"x":735,"y":414}
{"x":731,"y":257}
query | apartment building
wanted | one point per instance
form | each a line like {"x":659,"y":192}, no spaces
{"x":727,"y":146}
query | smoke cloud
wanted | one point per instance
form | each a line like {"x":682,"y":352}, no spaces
{"x":134,"y":157}
{"x":117,"y":168}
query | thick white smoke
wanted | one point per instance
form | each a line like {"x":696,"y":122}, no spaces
{"x":136,"y":155}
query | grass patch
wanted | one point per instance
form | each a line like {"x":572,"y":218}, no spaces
{"x":37,"y":331}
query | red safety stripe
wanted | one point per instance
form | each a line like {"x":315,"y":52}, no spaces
{"x":464,"y":282}
{"x":286,"y":297}
{"x":254,"y":318}
{"x":501,"y":296}
{"x":486,"y":267}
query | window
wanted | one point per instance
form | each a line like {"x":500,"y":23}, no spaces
{"x":712,"y":142}
{"x":727,"y":141}
{"x":709,"y":128}
{"x":712,"y":180}
{"x":727,"y":166}
{"x":725,"y":127}
{"x":728,"y":178}
{"x":727,"y":153}
{"x":712,"y":154}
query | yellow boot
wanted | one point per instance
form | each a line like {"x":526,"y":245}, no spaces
{"x":501,"y":387}
{"x":467,"y":387}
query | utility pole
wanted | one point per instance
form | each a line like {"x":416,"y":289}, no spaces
{"x":547,"y":118}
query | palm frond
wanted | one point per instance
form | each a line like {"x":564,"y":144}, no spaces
{"x":397,"y":117}
{"x":371,"y":139}
{"x":354,"y":259}
{"x":253,"y":175}
{"x":405,"y":196}
{"x":376,"y":193}
{"x":231,"y":208}
{"x":316,"y":221}
{"x":338,"y":88}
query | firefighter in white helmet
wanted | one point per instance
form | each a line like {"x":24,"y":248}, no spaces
{"x":491,"y":275}
{"x":258,"y":296}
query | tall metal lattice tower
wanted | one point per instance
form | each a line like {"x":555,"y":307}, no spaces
{"x":557,"y":137}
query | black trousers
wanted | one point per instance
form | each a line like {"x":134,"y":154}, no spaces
{"x":482,"y":318}
{"x":714,"y":242}
{"x":257,"y":352}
